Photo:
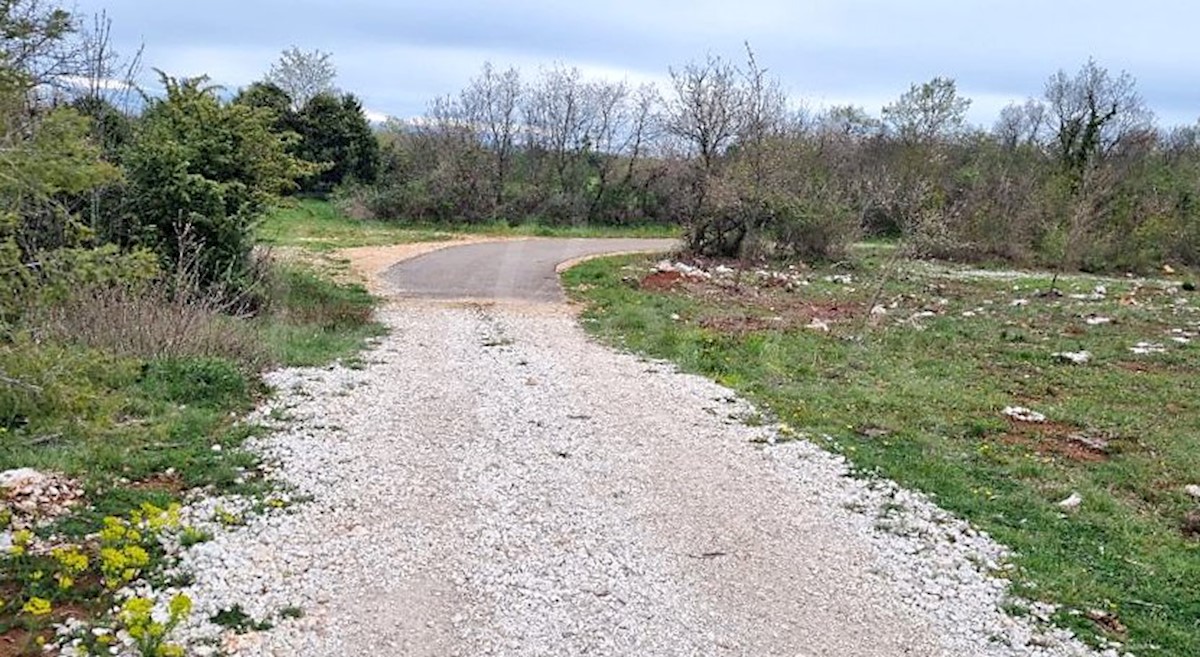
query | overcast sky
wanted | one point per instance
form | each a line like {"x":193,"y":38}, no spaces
{"x":399,"y":55}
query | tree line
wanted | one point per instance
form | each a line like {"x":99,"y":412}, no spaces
{"x":1078,"y":177}
{"x":104,"y":184}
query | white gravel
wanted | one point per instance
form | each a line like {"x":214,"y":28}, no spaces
{"x":494,"y":483}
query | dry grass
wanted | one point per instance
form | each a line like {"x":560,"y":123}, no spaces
{"x":151,"y":322}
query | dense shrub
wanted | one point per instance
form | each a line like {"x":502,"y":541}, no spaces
{"x":203,"y":171}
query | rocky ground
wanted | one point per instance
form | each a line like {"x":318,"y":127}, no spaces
{"x":492,"y":482}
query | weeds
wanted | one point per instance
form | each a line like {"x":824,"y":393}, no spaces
{"x":136,"y":393}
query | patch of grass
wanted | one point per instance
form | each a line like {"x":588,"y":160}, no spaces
{"x":144,"y":419}
{"x":235,"y":618}
{"x":320,"y":226}
{"x":315,"y":320}
{"x":931,"y":387}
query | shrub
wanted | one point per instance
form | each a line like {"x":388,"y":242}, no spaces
{"x":203,"y":171}
{"x":150,"y":322}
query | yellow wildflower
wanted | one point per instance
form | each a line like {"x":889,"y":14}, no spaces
{"x":37,"y":607}
{"x":137,"y":556}
{"x":180,"y":606}
{"x":72,"y":560}
{"x":171,"y":650}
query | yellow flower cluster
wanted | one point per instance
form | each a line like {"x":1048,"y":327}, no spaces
{"x":20,"y":542}
{"x":37,"y":607}
{"x":137,"y":614}
{"x":71,"y":562}
{"x":121,"y":565}
{"x":156,"y":519}
{"x":122,"y":555}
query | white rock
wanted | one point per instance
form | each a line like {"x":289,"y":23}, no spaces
{"x":1192,"y":490}
{"x":1145,"y":348}
{"x":1074,"y":357}
{"x":22,"y":478}
{"x":1072,"y":502}
{"x":1022,"y":414}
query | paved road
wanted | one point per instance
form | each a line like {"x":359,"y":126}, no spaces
{"x":516,"y":269}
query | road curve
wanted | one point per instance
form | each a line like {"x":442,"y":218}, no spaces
{"x":522,"y":270}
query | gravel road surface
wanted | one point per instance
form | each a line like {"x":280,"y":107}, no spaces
{"x":493,"y":482}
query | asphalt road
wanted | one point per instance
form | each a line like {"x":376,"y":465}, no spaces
{"x":521,"y":270}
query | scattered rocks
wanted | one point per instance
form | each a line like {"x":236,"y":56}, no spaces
{"x":818,"y":324}
{"x":1147,"y":348}
{"x":36,"y":498}
{"x":1093,"y":443}
{"x":1022,"y":414}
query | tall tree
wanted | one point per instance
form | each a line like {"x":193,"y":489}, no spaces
{"x":706,"y":108}
{"x":336,"y":135}
{"x":1092,"y":113}
{"x":490,"y":104}
{"x":928,"y":112}
{"x":303,"y":75}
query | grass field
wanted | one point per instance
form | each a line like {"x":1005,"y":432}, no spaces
{"x":917,"y":389}
{"x":320,"y":226}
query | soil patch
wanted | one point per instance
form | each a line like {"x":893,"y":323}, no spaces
{"x":1059,"y":440}
{"x":662,"y":281}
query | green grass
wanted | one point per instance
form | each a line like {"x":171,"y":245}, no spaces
{"x":318,"y":320}
{"x":938,"y":386}
{"x":320,"y":226}
{"x":137,"y":430}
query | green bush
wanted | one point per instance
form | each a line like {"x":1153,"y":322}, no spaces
{"x":201,"y":173}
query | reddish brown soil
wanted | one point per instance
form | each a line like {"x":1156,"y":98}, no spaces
{"x":1053,"y":439}
{"x":661,"y":281}
{"x":161,"y":482}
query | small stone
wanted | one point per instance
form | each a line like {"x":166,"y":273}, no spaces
{"x":1193,"y":490}
{"x":1074,"y":357}
{"x":1071,"y":503}
{"x":1022,"y":414}
{"x":818,"y":324}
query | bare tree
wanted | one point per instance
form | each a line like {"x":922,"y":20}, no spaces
{"x":1021,"y":124}
{"x":706,"y":108}
{"x":763,"y":117}
{"x":558,"y":118}
{"x":303,"y":75}
{"x":928,"y":112}
{"x":490,"y":103}
{"x":1092,"y":113}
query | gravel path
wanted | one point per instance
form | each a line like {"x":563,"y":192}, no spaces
{"x":493,"y":482}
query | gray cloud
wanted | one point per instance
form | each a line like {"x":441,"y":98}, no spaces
{"x":399,"y":55}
